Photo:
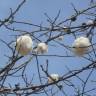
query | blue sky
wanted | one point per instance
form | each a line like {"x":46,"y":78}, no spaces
{"x":33,"y":11}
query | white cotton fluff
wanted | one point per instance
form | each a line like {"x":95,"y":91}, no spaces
{"x":24,"y":44}
{"x":42,"y":48}
{"x":89,"y":22}
{"x":81,"y":45}
{"x":53,"y":77}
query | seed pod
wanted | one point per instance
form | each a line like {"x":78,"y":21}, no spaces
{"x":53,"y":77}
{"x":81,"y":45}
{"x":42,"y":48}
{"x":24,"y":44}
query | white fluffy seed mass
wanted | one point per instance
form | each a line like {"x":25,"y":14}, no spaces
{"x":89,"y":22}
{"x":42,"y":48}
{"x":81,"y":45}
{"x":24,"y":44}
{"x":53,"y":77}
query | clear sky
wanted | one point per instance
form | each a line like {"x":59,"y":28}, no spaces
{"x":33,"y":11}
